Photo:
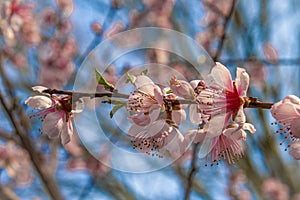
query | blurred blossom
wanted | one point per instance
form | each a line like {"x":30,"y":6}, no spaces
{"x":16,"y":163}
{"x":273,"y":189}
{"x":67,"y":6}
{"x":219,"y":7}
{"x":257,"y":72}
{"x":204,"y":38}
{"x":56,"y":62}
{"x":270,"y":53}
{"x":159,"y":14}
{"x":236,"y":185}
{"x":96,"y":27}
{"x":48,"y":17}
{"x":117,"y":27}
{"x":295,"y":150}
{"x":17,"y":22}
{"x":17,"y":58}
{"x":84,"y":161}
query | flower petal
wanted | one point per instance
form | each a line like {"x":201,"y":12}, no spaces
{"x":178,"y":116}
{"x":242,"y":81}
{"x":295,"y":127}
{"x":145,"y":84}
{"x":284,"y":113}
{"x":195,"y":116}
{"x":39,"y":88}
{"x":39,"y":102}
{"x":174,"y":143}
{"x":249,"y":127}
{"x":67,"y":132}
{"x":222,"y":76}
{"x":195,"y":136}
{"x":53,"y":124}
{"x":295,"y":150}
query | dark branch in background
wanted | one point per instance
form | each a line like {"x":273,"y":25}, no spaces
{"x":19,"y":122}
{"x":225,"y":25}
{"x":192,"y":173}
{"x":194,"y":169}
{"x":267,"y":62}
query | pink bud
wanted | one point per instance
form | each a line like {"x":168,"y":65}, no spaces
{"x":182,"y":88}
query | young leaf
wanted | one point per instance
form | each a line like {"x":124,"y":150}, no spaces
{"x":101,"y":81}
{"x":131,"y":78}
{"x":144,"y":72}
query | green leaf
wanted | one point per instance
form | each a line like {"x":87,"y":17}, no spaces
{"x":144,"y":72}
{"x":169,"y":92}
{"x":131,"y":78}
{"x":101,"y":81}
{"x":115,"y":109}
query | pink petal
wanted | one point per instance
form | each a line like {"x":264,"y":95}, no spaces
{"x":195,"y":116}
{"x":156,"y":127}
{"x":284,"y":113}
{"x":242,"y":81}
{"x":195,"y":136}
{"x":39,"y":102}
{"x":295,"y":127}
{"x":295,"y":150}
{"x":194,"y":83}
{"x":145,"y":84}
{"x":235,"y":132}
{"x":292,"y":99}
{"x":249,"y":127}
{"x":158,"y":95}
{"x":140,"y":119}
{"x":134,"y":130}
{"x":206,"y":146}
{"x":240,"y":118}
{"x":53,"y":124}
{"x":178,"y":116}
{"x":39,"y":89}
{"x":67,"y":132}
{"x":154,"y":112}
{"x":215,"y":126}
{"x":175,"y":143}
{"x":222,"y":76}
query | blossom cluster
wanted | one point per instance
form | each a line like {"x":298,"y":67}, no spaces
{"x":215,"y":105}
{"x":156,"y":113}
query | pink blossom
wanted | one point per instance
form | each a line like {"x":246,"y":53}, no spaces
{"x":17,"y":19}
{"x":287,"y":113}
{"x":146,"y":98}
{"x":275,"y":190}
{"x":154,"y":126}
{"x":220,"y":96}
{"x":227,"y":145}
{"x":295,"y":150}
{"x":157,"y":139}
{"x":56,"y":113}
{"x":182,"y":88}
{"x":16,"y":162}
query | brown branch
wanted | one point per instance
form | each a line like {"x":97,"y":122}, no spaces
{"x":279,"y":61}
{"x":9,"y":136}
{"x":192,"y":173}
{"x":225,"y":25}
{"x":21,"y":130}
